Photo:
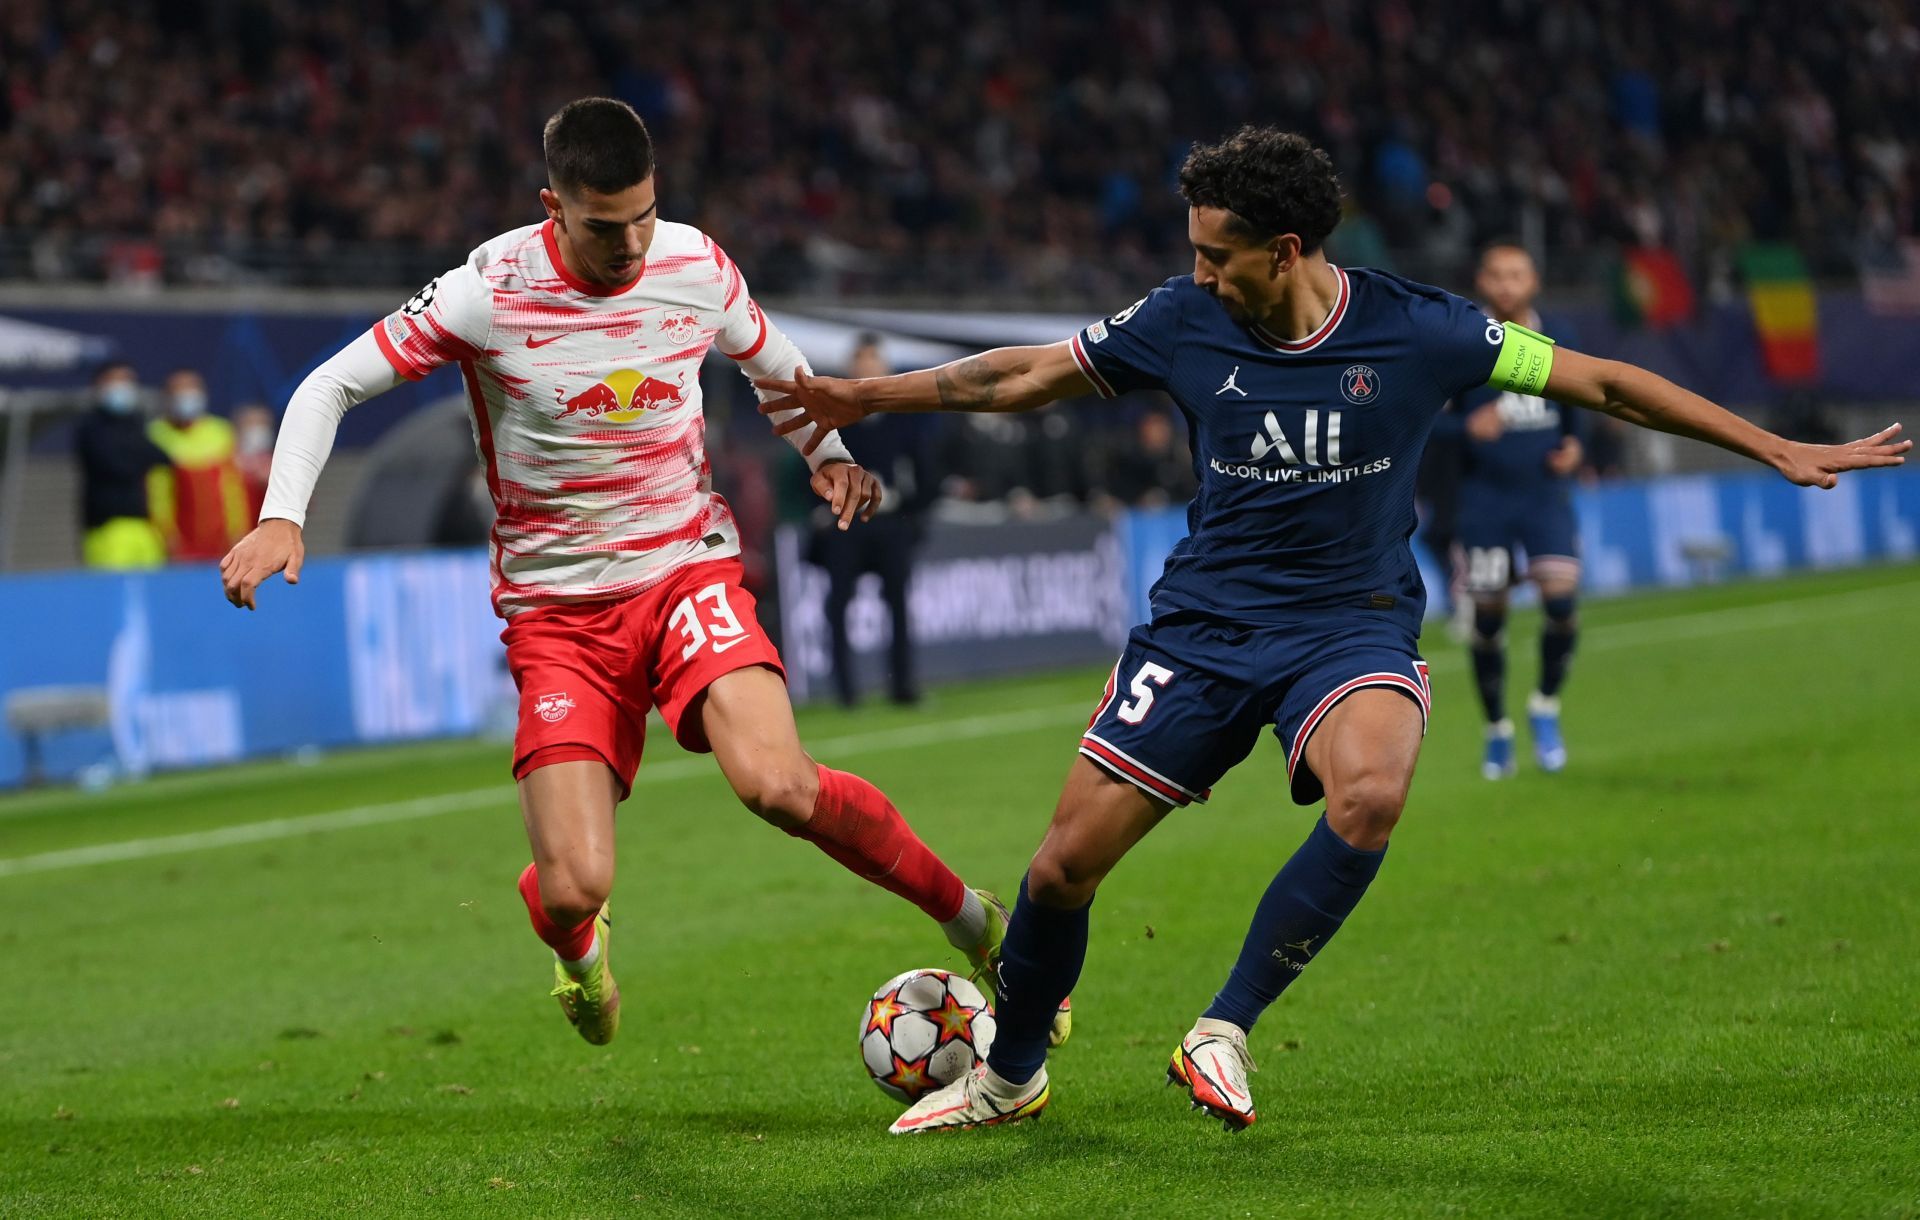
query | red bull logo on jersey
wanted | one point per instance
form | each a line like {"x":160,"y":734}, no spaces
{"x":680,"y":326}
{"x":622,"y":395}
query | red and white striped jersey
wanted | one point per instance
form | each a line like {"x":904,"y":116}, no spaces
{"x":586,"y":406}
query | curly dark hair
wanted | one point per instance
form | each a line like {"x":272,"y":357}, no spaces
{"x":598,"y":143}
{"x":1270,"y":181}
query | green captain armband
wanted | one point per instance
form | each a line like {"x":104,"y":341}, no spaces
{"x":1526,"y":357}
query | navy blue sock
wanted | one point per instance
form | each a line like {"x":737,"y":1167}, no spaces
{"x":1306,"y":904}
{"x":1557,"y":638}
{"x":1039,"y":964}
{"x":1490,"y":660}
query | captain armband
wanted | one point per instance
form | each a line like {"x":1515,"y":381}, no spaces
{"x":1526,"y":357}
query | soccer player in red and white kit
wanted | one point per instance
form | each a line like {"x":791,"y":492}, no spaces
{"x":613,"y":561}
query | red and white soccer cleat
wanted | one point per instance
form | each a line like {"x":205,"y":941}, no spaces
{"x":1212,"y":1061}
{"x":977,"y":1099}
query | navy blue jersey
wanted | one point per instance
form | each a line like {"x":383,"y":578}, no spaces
{"x":1305,"y":450}
{"x":1531,"y":428}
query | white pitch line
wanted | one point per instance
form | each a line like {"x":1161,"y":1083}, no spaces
{"x":387,"y":812}
{"x":1693,"y":624}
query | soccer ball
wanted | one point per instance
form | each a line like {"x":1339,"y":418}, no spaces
{"x":922,"y":1030}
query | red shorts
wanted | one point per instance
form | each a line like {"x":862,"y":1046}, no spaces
{"x":588,"y":673}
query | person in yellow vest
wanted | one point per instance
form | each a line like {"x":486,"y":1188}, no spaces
{"x":116,"y":460}
{"x":200,"y":502}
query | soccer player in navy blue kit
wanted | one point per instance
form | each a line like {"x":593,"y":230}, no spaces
{"x":1293,"y":603}
{"x":1519,"y":453}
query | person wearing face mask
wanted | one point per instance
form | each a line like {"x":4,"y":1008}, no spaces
{"x":116,"y":455}
{"x":253,"y":431}
{"x":200,"y":501}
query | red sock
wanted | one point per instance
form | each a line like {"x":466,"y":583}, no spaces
{"x":858,"y":826}
{"x":570,"y":943}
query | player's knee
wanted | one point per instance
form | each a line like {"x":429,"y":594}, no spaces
{"x":1055,"y":880}
{"x":571,"y":896}
{"x":1489,"y":624}
{"x":1561,"y":611}
{"x":782,"y":793}
{"x":1365,"y":809}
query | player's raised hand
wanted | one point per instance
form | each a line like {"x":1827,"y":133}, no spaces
{"x":849,"y":490}
{"x":272,"y":546}
{"x":1484,"y":423}
{"x":1566,"y":458}
{"x":1822,"y":465}
{"x":830,"y":403}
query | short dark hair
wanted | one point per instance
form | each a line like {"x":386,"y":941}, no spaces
{"x":599,"y":144}
{"x":1271,"y":181}
{"x":1504,"y":241}
{"x":113,"y":366}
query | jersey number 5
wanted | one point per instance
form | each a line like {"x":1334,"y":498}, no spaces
{"x":722,"y":627}
{"x":1134,"y":710}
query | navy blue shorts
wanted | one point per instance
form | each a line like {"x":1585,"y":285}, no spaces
{"x":1189,"y":696}
{"x":1492,"y":526}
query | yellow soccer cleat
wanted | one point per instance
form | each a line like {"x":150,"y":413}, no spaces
{"x":591,"y":1001}
{"x":986,"y":965}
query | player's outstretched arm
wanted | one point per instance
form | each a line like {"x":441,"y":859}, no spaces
{"x":1004,"y":379}
{"x":354,"y":374}
{"x":1628,"y":392}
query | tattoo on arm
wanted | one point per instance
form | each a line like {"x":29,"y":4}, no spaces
{"x":972,"y":386}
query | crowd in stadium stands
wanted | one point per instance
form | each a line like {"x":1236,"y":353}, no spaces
{"x":969,"y":146}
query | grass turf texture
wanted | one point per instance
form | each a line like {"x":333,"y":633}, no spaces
{"x":1679,"y":979}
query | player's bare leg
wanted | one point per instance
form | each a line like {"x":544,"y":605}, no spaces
{"x":748,"y":720}
{"x":1558,"y":578}
{"x":1488,"y":648}
{"x":1097,"y":821}
{"x":1364,"y":753}
{"x":568,"y":808}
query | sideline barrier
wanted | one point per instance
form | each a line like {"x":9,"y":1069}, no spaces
{"x":401,"y":646}
{"x":1666,"y":533}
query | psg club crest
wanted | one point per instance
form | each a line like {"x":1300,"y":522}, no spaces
{"x":1359,"y":385}
{"x":553,"y":707}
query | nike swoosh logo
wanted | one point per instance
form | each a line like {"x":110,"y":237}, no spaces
{"x":532,"y":342}
{"x":1221,"y":1084}
{"x":719,"y":647}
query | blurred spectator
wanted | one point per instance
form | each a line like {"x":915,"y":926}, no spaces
{"x":200,"y":502}
{"x":862,"y":147}
{"x":1150,"y":468}
{"x":115,"y":456}
{"x":896,"y":448}
{"x":253,"y":430}
{"x":1028,"y":461}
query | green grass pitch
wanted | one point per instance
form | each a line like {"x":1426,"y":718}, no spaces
{"x":1681,"y":979}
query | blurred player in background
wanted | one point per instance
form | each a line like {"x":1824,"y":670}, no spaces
{"x":1518,"y":454}
{"x":614,"y":563}
{"x":1293,"y":603}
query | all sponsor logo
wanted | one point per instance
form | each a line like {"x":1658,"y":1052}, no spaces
{"x":554,"y":707}
{"x":1097,"y":333}
{"x":622,"y":395}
